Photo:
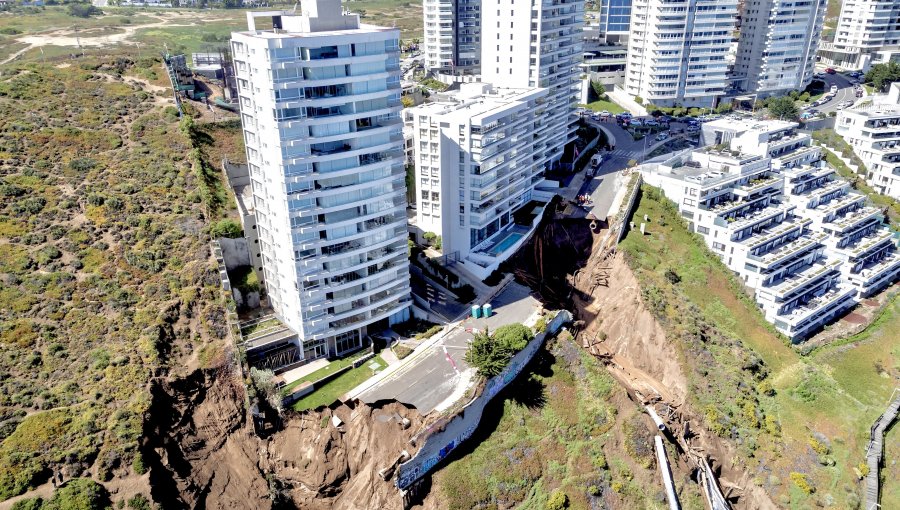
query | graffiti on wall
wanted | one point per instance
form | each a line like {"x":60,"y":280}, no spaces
{"x":459,"y":428}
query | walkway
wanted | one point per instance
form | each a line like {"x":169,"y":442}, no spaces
{"x":875,"y":450}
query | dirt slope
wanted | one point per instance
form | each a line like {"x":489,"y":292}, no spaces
{"x":204,"y":455}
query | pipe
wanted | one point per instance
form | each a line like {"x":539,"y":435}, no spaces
{"x":666,"y":475}
{"x":660,"y":424}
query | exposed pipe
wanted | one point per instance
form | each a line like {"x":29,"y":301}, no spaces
{"x":666,"y":472}
{"x":660,"y":424}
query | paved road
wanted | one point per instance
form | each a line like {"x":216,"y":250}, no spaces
{"x":845,"y":92}
{"x":432,"y":377}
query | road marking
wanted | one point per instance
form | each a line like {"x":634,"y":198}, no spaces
{"x":453,"y":363}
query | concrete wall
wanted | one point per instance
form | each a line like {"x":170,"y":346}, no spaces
{"x":447,"y":434}
{"x":235,"y":252}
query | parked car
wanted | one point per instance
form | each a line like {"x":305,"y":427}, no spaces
{"x":859,"y":93}
{"x":651,"y":122}
{"x":662,"y":136}
{"x":830,"y":70}
{"x":635,"y":122}
{"x":604,"y":114}
{"x":692,"y":129}
{"x":595,"y":116}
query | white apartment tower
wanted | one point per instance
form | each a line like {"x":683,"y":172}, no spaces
{"x":867,"y":33}
{"x":537,"y":43}
{"x":480,"y":152}
{"x":778,"y":43}
{"x":452,"y":38}
{"x":677,"y":51}
{"x":320,"y":108}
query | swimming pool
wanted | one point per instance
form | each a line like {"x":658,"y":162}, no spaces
{"x":504,"y":244}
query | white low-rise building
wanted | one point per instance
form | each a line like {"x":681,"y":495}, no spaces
{"x":781,"y":219}
{"x":873,"y":131}
{"x":480,"y":153}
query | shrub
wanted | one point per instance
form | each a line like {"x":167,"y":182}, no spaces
{"x":138,"y":465}
{"x":83,"y":10}
{"x":515,"y":336}
{"x":557,"y":501}
{"x":79,"y":494}
{"x":28,"y":504}
{"x":139,"y":502}
{"x":429,"y":237}
{"x":226,"y":228}
{"x":802,"y":482}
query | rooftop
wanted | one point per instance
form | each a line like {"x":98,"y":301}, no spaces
{"x":478,"y":103}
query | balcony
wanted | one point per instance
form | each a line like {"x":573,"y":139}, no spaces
{"x":787,"y":252}
{"x":803,"y":280}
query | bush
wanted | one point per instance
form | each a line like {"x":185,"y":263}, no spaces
{"x":83,"y":10}
{"x":802,"y":482}
{"x":557,"y":501}
{"x":138,"y":465}
{"x":28,"y":504}
{"x":79,"y":494}
{"x":429,"y":237}
{"x":139,"y":502}
{"x":490,"y":354}
{"x":226,"y":228}
{"x":515,"y":336}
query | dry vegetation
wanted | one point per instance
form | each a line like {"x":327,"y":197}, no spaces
{"x":105,"y":276}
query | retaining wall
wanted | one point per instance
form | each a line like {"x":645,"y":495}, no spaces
{"x":447,"y":434}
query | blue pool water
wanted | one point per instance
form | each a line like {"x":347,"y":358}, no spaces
{"x":511,"y":239}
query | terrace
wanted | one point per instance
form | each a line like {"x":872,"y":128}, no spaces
{"x":801,"y":281}
{"x":788,"y":251}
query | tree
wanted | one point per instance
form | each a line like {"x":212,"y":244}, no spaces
{"x":487,"y":356}
{"x":84,"y":10}
{"x":514,"y":336}
{"x":882,"y":75}
{"x":78,"y":494}
{"x":407,"y":102}
{"x":599,"y":90}
{"x":783,"y":108}
{"x":429,"y":237}
{"x":226,"y":228}
{"x":724,"y":108}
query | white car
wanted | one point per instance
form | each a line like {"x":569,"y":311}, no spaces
{"x":662,"y":136}
{"x":635,"y":122}
{"x":692,"y":129}
{"x":651,"y":122}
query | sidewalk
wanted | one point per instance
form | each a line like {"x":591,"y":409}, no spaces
{"x":621,"y":98}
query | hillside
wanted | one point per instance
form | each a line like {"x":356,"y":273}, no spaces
{"x":105,"y":277}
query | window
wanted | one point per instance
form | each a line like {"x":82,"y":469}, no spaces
{"x":719,"y":246}
{"x":703,"y":230}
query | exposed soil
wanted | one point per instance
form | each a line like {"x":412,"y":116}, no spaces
{"x":604,"y":295}
{"x":204,"y":454}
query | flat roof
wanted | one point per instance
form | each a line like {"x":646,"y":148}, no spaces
{"x":459,"y":106}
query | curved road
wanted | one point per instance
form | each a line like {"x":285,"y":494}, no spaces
{"x":845,"y":92}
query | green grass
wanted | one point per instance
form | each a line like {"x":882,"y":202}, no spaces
{"x":330,"y":368}
{"x":337,"y":387}
{"x":599,"y":106}
{"x":838,"y":391}
{"x":555,"y":427}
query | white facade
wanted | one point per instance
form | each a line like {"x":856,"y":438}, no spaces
{"x":479,"y":156}
{"x":873,"y":131}
{"x":536,"y":46}
{"x":782,"y":220}
{"x":677,"y":51}
{"x":452,"y":38}
{"x":320,"y":108}
{"x":778,"y":43}
{"x":867,"y":33}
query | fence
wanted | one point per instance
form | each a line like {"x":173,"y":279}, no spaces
{"x":444,"y":436}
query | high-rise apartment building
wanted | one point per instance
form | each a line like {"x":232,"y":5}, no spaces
{"x":777,"y":46}
{"x":614,"y":21}
{"x":867,"y":33}
{"x":320,"y":108}
{"x":677,"y":51}
{"x":480,"y":153}
{"x":537,"y":44}
{"x":452,"y":38}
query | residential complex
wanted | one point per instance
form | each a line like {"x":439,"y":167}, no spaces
{"x":452,"y":38}
{"x":480,"y":153}
{"x":320,"y":108}
{"x":873,"y":131}
{"x":677,"y":51}
{"x":781,"y":219}
{"x":777,"y":46}
{"x":867,"y":33}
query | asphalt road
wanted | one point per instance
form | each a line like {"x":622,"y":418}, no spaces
{"x":432,"y":377}
{"x":845,"y":92}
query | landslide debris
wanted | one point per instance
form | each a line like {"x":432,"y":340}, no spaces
{"x":204,"y":452}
